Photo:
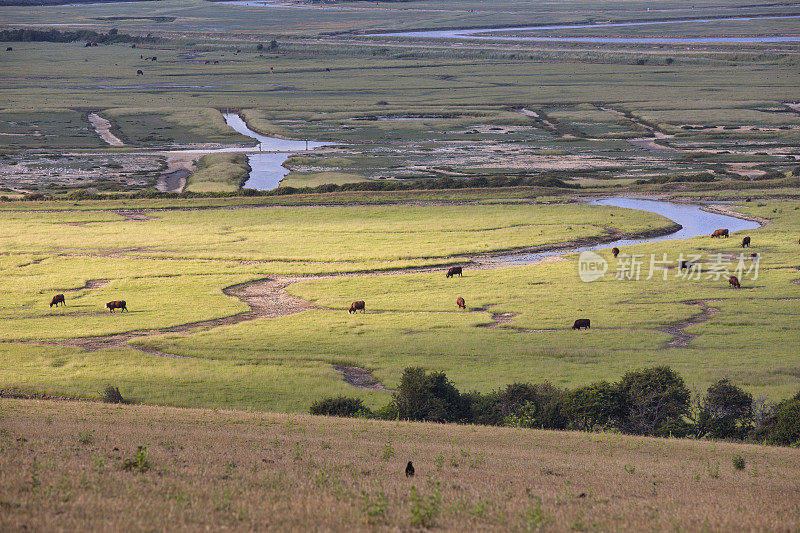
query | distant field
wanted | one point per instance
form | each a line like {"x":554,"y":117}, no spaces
{"x":62,"y":467}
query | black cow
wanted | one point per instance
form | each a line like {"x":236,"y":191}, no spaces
{"x":453,"y":271}
{"x":582,"y":323}
{"x":57,"y":299}
{"x":746,"y":242}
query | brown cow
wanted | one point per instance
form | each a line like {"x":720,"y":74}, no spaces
{"x":57,"y":299}
{"x":117,"y":304}
{"x":720,"y":233}
{"x":733,"y":281}
{"x":746,"y":242}
{"x":452,"y":271}
{"x":615,"y":251}
{"x":753,"y":255}
{"x":582,"y":323}
{"x":355,"y":306}
{"x":461,"y":303}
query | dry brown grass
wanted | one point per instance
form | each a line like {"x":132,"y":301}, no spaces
{"x":61,"y":468}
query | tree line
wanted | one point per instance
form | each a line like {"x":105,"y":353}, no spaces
{"x":56,"y":36}
{"x":652,"y":401}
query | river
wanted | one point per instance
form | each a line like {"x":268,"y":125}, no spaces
{"x":266,"y":158}
{"x":693,"y":220}
{"x":481,"y":33}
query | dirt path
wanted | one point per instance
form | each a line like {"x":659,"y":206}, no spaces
{"x":361,"y":378}
{"x":678,"y":329}
{"x":103,"y":129}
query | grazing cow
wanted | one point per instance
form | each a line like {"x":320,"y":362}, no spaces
{"x":615,"y":251}
{"x":453,"y":271}
{"x":327,"y":69}
{"x":753,"y":255}
{"x":720,"y":233}
{"x":582,"y":323}
{"x":216,"y":62}
{"x":685,"y":264}
{"x":409,"y":470}
{"x":746,"y":242}
{"x":9,"y":49}
{"x":733,"y":281}
{"x":139,"y":73}
{"x":355,"y":306}
{"x":133,"y":45}
{"x":116,"y":304}
{"x":461,"y":303}
{"x":57,"y":299}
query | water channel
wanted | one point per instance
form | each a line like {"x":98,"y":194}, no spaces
{"x":693,"y":220}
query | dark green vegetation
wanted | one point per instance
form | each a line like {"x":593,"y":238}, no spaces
{"x":653,"y":401}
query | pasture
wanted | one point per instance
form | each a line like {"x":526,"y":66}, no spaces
{"x":172,"y":266}
{"x":63,"y":466}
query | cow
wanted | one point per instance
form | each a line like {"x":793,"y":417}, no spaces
{"x":461,"y":303}
{"x":355,"y":306}
{"x":685,"y":264}
{"x":753,"y":255}
{"x":453,"y":271}
{"x":57,"y":299}
{"x":327,"y":69}
{"x":139,"y":73}
{"x":615,"y":252}
{"x":733,"y":281}
{"x":9,"y":49}
{"x":117,"y":304}
{"x":719,"y":233}
{"x":582,"y":323}
{"x":746,"y":242}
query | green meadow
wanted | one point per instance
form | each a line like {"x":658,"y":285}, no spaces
{"x":171,"y":268}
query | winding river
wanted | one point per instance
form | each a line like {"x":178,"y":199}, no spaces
{"x":492,"y":33}
{"x":693,"y":220}
{"x":266,"y":158}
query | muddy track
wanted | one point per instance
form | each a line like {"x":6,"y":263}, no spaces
{"x":361,"y":378}
{"x":682,"y":339}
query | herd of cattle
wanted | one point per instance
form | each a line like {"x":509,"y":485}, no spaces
{"x":360,"y":305}
{"x":581,"y":323}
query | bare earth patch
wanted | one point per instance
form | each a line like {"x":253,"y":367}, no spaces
{"x":103,"y":129}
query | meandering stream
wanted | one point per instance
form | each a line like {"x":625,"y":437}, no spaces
{"x":692,"y":218}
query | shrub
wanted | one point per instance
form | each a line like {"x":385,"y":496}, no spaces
{"x":533,"y":406}
{"x":654,"y":402}
{"x":140,"y":462}
{"x":726,"y":411}
{"x":112,"y":395}
{"x":782,"y":425}
{"x":340,"y":406}
{"x":738,"y":461}
{"x":592,"y":406}
{"x":432,"y":397}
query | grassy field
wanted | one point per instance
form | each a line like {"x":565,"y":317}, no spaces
{"x":63,"y":467}
{"x":171,"y":267}
{"x":219,"y":172}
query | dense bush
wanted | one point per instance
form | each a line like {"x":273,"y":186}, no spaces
{"x":431,"y":397}
{"x":724,"y":412}
{"x":594,"y":406}
{"x":340,"y":406}
{"x":782,"y":425}
{"x":651,"y":401}
{"x":654,"y":402}
{"x":111,"y":394}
